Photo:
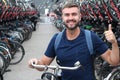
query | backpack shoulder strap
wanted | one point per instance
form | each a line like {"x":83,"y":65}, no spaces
{"x":90,"y":46}
{"x":58,"y":39}
{"x":89,"y":41}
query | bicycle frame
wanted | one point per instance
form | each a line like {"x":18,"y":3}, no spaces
{"x":98,"y":11}
{"x":112,"y":5}
{"x":90,"y":6}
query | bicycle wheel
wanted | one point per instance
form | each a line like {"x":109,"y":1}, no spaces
{"x":113,"y":14}
{"x":2,"y":64}
{"x":115,"y":75}
{"x":104,"y":71}
{"x":48,"y":76}
{"x":5,"y":52}
{"x":29,"y":33}
{"x":17,"y":52}
{"x":117,"y":3}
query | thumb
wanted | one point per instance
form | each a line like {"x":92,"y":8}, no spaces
{"x":109,"y":27}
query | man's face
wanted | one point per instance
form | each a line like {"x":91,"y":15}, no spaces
{"x":71,"y":17}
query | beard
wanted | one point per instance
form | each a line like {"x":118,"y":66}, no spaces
{"x":73,"y":27}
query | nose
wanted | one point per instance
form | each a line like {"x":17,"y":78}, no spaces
{"x":70,"y":17}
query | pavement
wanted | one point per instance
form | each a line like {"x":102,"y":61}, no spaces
{"x":34,"y":48}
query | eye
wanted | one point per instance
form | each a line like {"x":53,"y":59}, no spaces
{"x":66,"y":14}
{"x":74,"y":14}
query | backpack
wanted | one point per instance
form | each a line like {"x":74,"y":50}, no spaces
{"x":87,"y":36}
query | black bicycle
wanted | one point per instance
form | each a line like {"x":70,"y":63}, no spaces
{"x":3,"y":64}
{"x":115,"y":74}
{"x":17,"y":52}
{"x":16,"y":49}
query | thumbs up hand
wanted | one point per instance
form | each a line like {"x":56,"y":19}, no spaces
{"x":110,"y":35}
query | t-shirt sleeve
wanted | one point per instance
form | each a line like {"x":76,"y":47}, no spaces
{"x":50,"y":51}
{"x":98,"y":44}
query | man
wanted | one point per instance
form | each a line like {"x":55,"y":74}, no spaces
{"x":52,"y":14}
{"x":73,"y":47}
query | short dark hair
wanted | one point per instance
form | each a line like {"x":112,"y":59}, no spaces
{"x":70,"y":5}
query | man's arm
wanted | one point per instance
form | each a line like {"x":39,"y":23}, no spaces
{"x":44,"y":60}
{"x":111,"y":56}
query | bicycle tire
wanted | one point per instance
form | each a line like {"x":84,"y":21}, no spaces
{"x":5,"y":52}
{"x":116,"y":2}
{"x":3,"y":67}
{"x":115,"y":75}
{"x":49,"y":76}
{"x":29,"y":33}
{"x":17,"y":53}
{"x":105,"y":72}
{"x":115,"y":10}
{"x":113,"y":13}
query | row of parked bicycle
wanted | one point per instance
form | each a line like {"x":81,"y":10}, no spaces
{"x":14,"y":9}
{"x":96,"y":15}
{"x":101,"y":10}
{"x":17,"y":22}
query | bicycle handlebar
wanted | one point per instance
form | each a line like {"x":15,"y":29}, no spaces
{"x":76,"y":66}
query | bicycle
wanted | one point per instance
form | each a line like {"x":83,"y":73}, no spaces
{"x":3,"y":64}
{"x":114,"y":74}
{"x":55,"y":75}
{"x":17,"y":51}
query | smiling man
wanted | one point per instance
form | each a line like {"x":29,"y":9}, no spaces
{"x":73,"y":47}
